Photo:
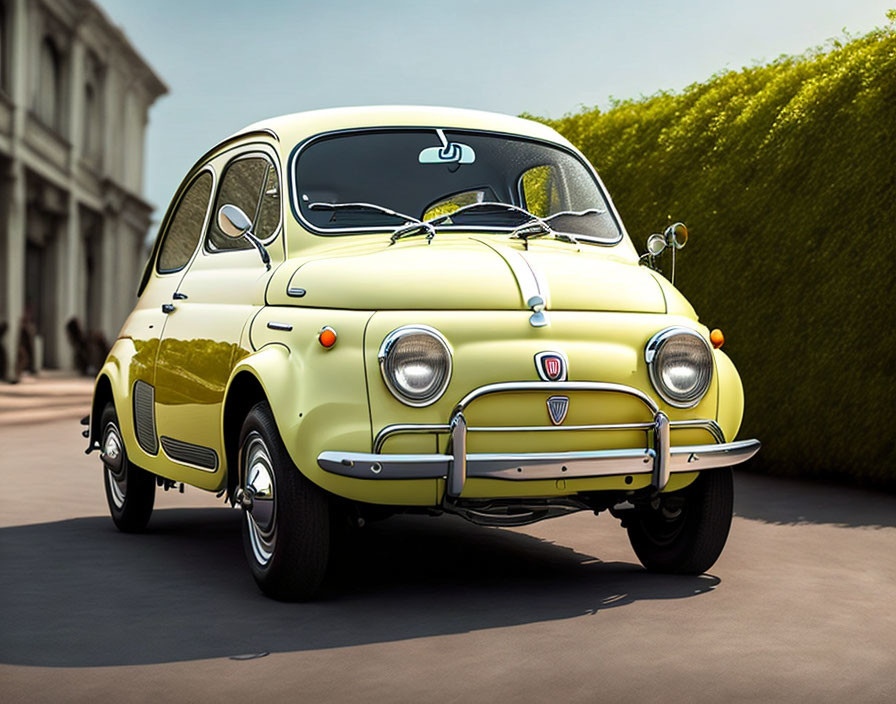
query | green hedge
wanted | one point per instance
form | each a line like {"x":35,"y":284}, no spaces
{"x":786,"y":177}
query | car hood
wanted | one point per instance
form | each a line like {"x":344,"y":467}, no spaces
{"x":467,"y":273}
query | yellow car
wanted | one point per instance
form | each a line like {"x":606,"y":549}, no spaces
{"x":355,"y":312}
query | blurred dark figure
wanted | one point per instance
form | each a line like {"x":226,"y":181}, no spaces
{"x":90,"y":348}
{"x":25,"y":355}
{"x":3,"y":326}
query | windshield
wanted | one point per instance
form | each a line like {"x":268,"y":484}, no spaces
{"x":386,"y":177}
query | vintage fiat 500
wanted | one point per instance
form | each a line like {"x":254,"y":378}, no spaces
{"x":355,"y":312}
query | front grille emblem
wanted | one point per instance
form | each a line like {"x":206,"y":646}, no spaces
{"x":551,"y":366}
{"x":557,"y":408}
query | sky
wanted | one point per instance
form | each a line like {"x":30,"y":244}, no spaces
{"x":228,"y":64}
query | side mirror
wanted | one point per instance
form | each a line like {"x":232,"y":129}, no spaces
{"x":234,"y":223}
{"x":674,"y":237}
{"x":656,"y":243}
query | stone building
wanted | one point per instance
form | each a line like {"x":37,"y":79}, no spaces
{"x":74,"y":98}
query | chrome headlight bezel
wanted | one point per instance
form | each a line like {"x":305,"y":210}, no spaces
{"x":388,"y":345}
{"x":651,"y":354}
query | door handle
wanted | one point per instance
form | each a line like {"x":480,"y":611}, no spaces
{"x":178,"y":296}
{"x":167,"y":307}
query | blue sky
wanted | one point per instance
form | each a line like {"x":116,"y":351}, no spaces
{"x":229,"y":64}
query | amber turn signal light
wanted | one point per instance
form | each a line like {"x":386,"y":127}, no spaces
{"x":717,"y":338}
{"x":327,"y":337}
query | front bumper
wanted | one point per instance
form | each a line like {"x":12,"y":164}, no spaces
{"x":660,"y":461}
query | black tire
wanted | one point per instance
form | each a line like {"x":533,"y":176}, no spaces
{"x":287,"y":538}
{"x":130,"y":491}
{"x":686,"y":533}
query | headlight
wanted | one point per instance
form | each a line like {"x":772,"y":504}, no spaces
{"x":416,"y":364}
{"x":680,"y":365}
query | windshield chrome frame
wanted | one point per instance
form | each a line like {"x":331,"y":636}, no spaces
{"x":345,"y":231}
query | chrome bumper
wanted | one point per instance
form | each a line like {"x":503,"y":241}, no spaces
{"x":660,"y":461}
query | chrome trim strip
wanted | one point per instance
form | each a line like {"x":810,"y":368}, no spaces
{"x":709,"y":426}
{"x":530,"y":466}
{"x":409,"y":428}
{"x":554,"y":386}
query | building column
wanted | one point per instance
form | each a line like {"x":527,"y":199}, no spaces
{"x":69,"y":259}
{"x":108,"y":275}
{"x":13,"y":263}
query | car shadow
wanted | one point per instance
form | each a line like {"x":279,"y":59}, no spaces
{"x":77,"y":593}
{"x":783,"y":501}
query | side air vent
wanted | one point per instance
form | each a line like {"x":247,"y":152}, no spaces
{"x":188,"y":453}
{"x":145,"y":417}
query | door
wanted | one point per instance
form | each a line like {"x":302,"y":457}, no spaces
{"x":222,"y":290}
{"x":181,"y":231}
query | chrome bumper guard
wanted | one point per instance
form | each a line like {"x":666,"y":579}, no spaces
{"x":660,"y":461}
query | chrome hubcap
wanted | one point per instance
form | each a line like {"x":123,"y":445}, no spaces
{"x":113,"y":459}
{"x":259,"y":488}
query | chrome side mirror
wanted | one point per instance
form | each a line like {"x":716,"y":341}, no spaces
{"x":234,"y":223}
{"x":656,"y":243}
{"x":674,"y":237}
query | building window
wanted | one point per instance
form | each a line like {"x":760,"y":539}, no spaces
{"x":3,"y":43}
{"x":49,"y":84}
{"x":92,"y":135}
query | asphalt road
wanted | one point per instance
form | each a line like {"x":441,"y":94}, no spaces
{"x":801,"y":606}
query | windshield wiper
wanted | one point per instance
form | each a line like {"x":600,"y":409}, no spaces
{"x":429,"y":226}
{"x":533,"y":227}
{"x":363,"y":206}
{"x":541,"y":227}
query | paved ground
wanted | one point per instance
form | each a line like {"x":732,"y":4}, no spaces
{"x":801,"y":606}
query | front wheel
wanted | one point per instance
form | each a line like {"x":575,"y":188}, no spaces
{"x":130,"y":491}
{"x":286,"y":529}
{"x":685,"y":531}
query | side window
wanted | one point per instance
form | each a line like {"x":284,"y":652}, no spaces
{"x":185,"y":227}
{"x":251,"y":184}
{"x":540,"y":192}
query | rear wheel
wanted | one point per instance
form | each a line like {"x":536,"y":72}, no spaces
{"x":286,"y":529}
{"x":130,"y":491}
{"x":686,"y":531}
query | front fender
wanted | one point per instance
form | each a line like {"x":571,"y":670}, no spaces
{"x":318,"y":396}
{"x":730,"y":411}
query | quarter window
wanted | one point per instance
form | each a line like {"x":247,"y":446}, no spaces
{"x":186,"y":225}
{"x":251,"y":184}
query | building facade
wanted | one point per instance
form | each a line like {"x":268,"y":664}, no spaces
{"x":74,"y":99}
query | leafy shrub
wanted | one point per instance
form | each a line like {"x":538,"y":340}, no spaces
{"x":786,"y":176}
